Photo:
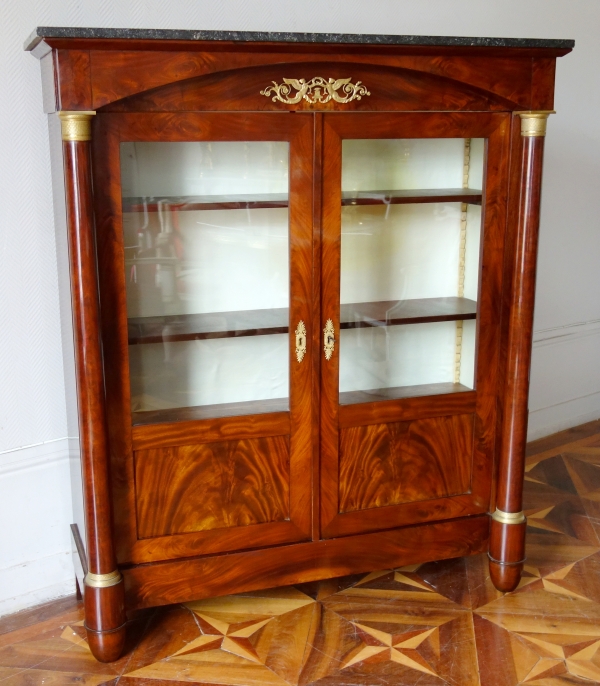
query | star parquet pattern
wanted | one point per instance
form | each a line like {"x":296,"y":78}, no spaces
{"x":429,"y":624}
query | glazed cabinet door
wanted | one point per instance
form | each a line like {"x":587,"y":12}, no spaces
{"x":204,"y":256}
{"x":414,"y":217}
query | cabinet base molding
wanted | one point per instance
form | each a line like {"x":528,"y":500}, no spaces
{"x":196,"y":578}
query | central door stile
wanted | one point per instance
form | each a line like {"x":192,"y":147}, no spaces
{"x":330,"y":310}
{"x":318,"y":159}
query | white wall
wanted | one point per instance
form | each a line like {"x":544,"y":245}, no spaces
{"x":34,"y":482}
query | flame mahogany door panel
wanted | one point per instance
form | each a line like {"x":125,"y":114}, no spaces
{"x":200,"y":339}
{"x":420,"y":448}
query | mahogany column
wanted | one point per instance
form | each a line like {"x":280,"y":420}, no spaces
{"x":507,"y":536}
{"x":104,"y":593}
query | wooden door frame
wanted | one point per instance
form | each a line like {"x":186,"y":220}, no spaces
{"x":483,"y":401}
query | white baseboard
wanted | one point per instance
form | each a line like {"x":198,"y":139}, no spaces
{"x":35,"y":513}
{"x":32,"y":456}
{"x":37,"y":581}
{"x":566,"y":333}
{"x":550,"y":420}
{"x":565,"y":378}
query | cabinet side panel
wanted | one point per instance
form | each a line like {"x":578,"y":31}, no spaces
{"x":66,"y":327}
{"x":401,"y":462}
{"x":212,"y":486}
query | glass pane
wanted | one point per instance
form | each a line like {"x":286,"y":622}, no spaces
{"x":207,"y":272}
{"x":411,"y":225}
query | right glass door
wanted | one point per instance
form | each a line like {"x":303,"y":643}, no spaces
{"x":412,"y":205}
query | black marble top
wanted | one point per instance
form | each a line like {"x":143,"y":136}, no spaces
{"x":42,"y":32}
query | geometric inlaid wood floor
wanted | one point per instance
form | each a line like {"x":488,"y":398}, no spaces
{"x":436,"y":623}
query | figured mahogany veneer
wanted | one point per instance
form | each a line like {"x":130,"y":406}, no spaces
{"x":197,"y":501}
{"x":212,"y":485}
{"x":404,"y":462}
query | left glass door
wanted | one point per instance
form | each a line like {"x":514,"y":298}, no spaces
{"x":414,"y":221}
{"x":203,"y":232}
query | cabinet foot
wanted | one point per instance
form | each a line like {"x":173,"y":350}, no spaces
{"x":105,"y":620}
{"x":106,"y":646}
{"x":507,"y":549}
{"x":505,"y":577}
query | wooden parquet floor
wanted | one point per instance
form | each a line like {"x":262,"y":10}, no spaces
{"x":435,"y":623}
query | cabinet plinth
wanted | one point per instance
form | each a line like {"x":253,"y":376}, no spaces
{"x":302,"y":343}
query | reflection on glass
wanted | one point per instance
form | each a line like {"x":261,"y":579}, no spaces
{"x":411,"y":225}
{"x":207,"y":273}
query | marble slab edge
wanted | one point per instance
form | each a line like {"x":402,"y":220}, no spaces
{"x":42,"y":32}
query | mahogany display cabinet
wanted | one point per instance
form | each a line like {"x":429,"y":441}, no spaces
{"x":297,"y":286}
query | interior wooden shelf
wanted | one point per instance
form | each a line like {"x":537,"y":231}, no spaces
{"x":181,"y":414}
{"x":271,"y":200}
{"x":415,"y":311}
{"x":399,"y":392}
{"x":208,"y":202}
{"x":189,"y":327}
{"x":411,"y":196}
